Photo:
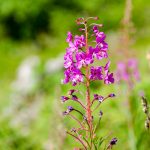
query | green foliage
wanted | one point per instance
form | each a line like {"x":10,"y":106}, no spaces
{"x":38,"y":27}
{"x":12,"y":138}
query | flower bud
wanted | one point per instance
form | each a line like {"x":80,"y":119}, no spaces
{"x":70,"y":92}
{"x":100,"y":114}
{"x":111,"y":95}
{"x":74,"y":97}
{"x":79,"y":20}
{"x":64,"y":98}
{"x":70,"y":108}
{"x":81,"y":29}
{"x":73,"y":130}
{"x":100,"y":25}
{"x":96,"y":18}
{"x":65,"y":113}
{"x":113,"y":141}
{"x":98,"y":97}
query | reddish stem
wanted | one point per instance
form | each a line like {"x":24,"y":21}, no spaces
{"x":88,"y":108}
{"x":78,"y":140}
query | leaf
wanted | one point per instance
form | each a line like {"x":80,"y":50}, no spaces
{"x":86,"y":141}
{"x":95,"y":146}
{"x":101,"y":140}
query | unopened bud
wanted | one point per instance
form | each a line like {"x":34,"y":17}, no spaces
{"x":70,"y":108}
{"x":73,"y":130}
{"x":81,"y":29}
{"x":100,"y":114}
{"x":70,"y":92}
{"x":100,"y":98}
{"x":96,"y":18}
{"x":111,"y":95}
{"x":113,"y":141}
{"x":74,"y":97}
{"x":65,"y":113}
{"x":79,"y":20}
{"x":100,"y":25}
{"x":64,"y":98}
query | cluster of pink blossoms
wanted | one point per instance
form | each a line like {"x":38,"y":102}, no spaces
{"x":128,"y":71}
{"x":76,"y":58}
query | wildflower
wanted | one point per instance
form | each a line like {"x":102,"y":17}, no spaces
{"x":73,"y":130}
{"x":133,"y":66}
{"x":121,"y":73}
{"x":73,"y":75}
{"x":96,"y":73}
{"x":68,"y":60}
{"x":72,"y":48}
{"x":69,"y":109}
{"x":70,"y":92}
{"x":74,"y":97}
{"x":80,"y":57}
{"x":128,"y":71}
{"x":64,"y":98}
{"x":109,"y":78}
{"x":111,"y":95}
{"x":80,"y":69}
{"x":83,"y":59}
{"x":95,"y":29}
{"x":79,"y":41}
{"x":89,"y":59}
{"x":100,"y":37}
{"x":100,"y":51}
{"x":113,"y":141}
{"x":76,"y":77}
{"x":69,"y":37}
{"x":98,"y":97}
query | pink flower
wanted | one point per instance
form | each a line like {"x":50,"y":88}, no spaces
{"x":128,"y":72}
{"x":76,"y":58}
{"x":68,"y":60}
{"x":96,"y":73}
{"x":69,"y":37}
{"x":79,"y":41}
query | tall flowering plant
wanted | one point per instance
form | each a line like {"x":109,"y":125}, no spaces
{"x":82,"y":52}
{"x":127,"y":67}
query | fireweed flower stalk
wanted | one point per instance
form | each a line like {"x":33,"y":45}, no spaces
{"x":80,"y":69}
{"x":127,"y":67}
{"x":127,"y":72}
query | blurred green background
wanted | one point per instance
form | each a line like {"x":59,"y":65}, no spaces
{"x":32,"y":44}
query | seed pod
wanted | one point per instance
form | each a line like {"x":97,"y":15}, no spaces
{"x":147,"y":124}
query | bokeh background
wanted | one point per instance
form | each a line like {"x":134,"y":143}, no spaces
{"x":32,"y":44}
